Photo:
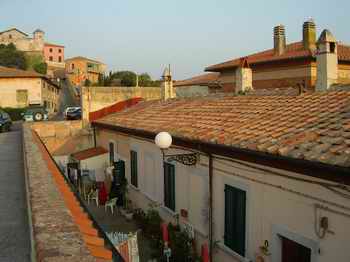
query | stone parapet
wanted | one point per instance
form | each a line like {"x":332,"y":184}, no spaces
{"x":55,"y":234}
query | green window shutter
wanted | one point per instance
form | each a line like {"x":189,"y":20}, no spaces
{"x":133,"y":165}
{"x":235,"y":219}
{"x":169,"y":186}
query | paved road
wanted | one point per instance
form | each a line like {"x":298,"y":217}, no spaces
{"x":14,"y":229}
{"x":66,"y":99}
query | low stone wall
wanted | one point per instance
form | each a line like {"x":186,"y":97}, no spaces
{"x":56,"y":236}
{"x":98,"y":97}
{"x":64,"y":137}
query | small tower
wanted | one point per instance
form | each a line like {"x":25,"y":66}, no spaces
{"x":327,"y":61}
{"x":167,"y":88}
{"x":244,"y":77}
{"x":38,"y":35}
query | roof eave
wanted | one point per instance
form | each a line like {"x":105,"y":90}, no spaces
{"x":301,"y":166}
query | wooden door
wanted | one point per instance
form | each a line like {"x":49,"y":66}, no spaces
{"x":294,"y":252}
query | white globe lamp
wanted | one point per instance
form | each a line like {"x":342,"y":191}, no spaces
{"x":163,"y":140}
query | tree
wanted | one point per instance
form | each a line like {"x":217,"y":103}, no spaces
{"x":145,"y":80}
{"x":11,"y":57}
{"x":127,"y":78}
{"x":87,"y":82}
{"x":36,"y":62}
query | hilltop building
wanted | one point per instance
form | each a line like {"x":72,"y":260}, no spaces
{"x":293,"y":65}
{"x":79,"y":69}
{"x":52,"y":54}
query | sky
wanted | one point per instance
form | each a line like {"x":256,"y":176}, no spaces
{"x":146,"y":35}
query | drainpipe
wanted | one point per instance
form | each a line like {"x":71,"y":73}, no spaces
{"x":210,"y":208}
{"x":94,"y":131}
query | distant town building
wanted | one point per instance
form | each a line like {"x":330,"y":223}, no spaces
{"x":19,"y":88}
{"x":53,"y":54}
{"x":285,"y":65}
{"x":79,"y":69}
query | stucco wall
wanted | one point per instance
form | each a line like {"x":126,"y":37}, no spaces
{"x":96,"y":98}
{"x":9,"y":86}
{"x":96,"y":162}
{"x":276,"y":205}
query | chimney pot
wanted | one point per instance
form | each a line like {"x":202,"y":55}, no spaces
{"x":309,"y":35}
{"x":279,"y":39}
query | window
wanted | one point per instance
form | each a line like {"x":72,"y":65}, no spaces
{"x":60,"y":59}
{"x":59,"y":50}
{"x":111,"y":153}
{"x":235,"y":215}
{"x":133,"y":166}
{"x":169,"y":186}
{"x":50,"y":50}
{"x":10,"y":36}
{"x":72,"y":66}
{"x":22,"y":97}
{"x":332,"y":47}
{"x":50,"y":58}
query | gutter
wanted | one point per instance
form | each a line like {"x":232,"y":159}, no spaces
{"x":320,"y":170}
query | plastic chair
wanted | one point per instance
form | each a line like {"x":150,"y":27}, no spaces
{"x":93,"y":195}
{"x":111,"y":203}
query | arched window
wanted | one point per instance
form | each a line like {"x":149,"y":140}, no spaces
{"x":51,"y":58}
{"x":50,"y":50}
{"x":72,"y":66}
{"x":60,"y":59}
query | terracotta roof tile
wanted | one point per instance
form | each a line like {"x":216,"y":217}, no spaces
{"x":91,"y":152}
{"x":7,"y":72}
{"x":290,"y":126}
{"x":204,"y":79}
{"x":293,"y":51}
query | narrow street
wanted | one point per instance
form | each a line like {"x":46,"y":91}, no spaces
{"x":67,"y":99}
{"x":14,"y":229}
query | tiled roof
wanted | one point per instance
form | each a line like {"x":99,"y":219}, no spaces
{"x":51,"y":44}
{"x":7,"y":72}
{"x":91,"y":152}
{"x":314,"y":127}
{"x":293,"y":51}
{"x":11,"y":29}
{"x":205,"y":79}
{"x":83,"y":58}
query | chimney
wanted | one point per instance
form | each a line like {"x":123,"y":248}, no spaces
{"x":309,"y":35}
{"x":167,"y":88}
{"x":279,"y":39}
{"x":244,"y":77}
{"x":327,"y":61}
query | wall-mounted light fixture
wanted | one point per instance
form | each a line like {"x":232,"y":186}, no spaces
{"x":164,"y":140}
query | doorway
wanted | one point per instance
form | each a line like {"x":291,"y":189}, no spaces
{"x":293,"y":251}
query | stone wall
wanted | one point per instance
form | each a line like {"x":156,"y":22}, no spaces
{"x":96,"y":98}
{"x":64,"y":137}
{"x":56,"y":236}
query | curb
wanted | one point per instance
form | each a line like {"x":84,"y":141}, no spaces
{"x":29,"y":207}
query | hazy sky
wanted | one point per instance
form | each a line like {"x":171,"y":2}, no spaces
{"x":145,"y":35}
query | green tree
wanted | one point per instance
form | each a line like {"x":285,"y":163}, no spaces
{"x":87,"y":82}
{"x":127,"y":78}
{"x":11,"y":57}
{"x":36,"y":62}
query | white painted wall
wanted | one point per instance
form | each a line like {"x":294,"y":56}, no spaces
{"x":276,"y":205}
{"x":96,"y":162}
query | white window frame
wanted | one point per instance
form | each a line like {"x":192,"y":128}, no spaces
{"x":279,"y":231}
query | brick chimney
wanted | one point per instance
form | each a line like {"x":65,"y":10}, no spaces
{"x":279,"y":39}
{"x":309,"y":35}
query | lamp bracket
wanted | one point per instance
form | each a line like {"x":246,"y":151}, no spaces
{"x":185,"y":159}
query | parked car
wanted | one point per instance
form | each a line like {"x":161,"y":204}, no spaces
{"x":5,"y":121}
{"x":71,"y":109}
{"x":74,"y":115}
{"x":35,"y":113}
